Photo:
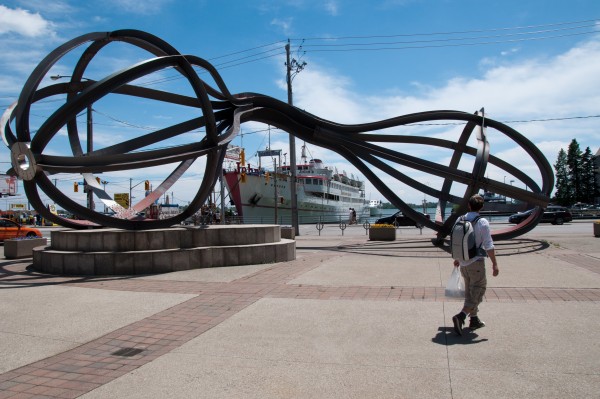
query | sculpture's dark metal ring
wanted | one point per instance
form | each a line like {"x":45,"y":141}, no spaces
{"x":221,"y":113}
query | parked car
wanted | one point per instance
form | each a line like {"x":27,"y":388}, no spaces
{"x":556,"y":215}
{"x":553,"y":214}
{"x":10,"y":229}
{"x":399,"y":219}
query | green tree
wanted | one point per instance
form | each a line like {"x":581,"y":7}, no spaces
{"x":574,"y":162}
{"x":588,"y":176}
{"x":564,"y":193}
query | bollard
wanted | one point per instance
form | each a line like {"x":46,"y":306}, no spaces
{"x":367,"y":226}
{"x":320,"y":226}
{"x":343,"y":227}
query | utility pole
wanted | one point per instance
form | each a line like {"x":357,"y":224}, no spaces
{"x":275,"y":186}
{"x":90,"y":148}
{"x":130,"y":190}
{"x":297,"y":67}
{"x":222,"y":196}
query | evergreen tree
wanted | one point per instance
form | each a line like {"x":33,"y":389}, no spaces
{"x":574,"y":163}
{"x":588,"y":176}
{"x":564,"y":193}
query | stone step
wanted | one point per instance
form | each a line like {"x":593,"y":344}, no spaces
{"x":49,"y":260}
{"x":159,"y":239}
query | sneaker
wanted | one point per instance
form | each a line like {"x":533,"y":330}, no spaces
{"x":459,"y":321}
{"x":475,"y":323}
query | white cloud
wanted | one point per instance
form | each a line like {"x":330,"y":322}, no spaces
{"x":327,"y":95}
{"x":23,"y":22}
{"x":332,"y":7}
{"x":509,"y":52}
{"x":284,"y":24}
{"x":146,"y":7}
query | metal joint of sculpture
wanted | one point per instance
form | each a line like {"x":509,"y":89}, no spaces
{"x":222,"y":113}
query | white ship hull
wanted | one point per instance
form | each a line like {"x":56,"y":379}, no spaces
{"x":266,"y":198}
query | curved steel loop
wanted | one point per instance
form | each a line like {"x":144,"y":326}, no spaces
{"x":375,"y":154}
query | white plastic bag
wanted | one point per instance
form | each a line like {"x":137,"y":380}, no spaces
{"x":455,"y":285}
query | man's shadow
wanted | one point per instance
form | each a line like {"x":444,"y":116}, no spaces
{"x":447,"y":336}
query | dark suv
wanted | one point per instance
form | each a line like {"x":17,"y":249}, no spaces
{"x":399,"y":219}
{"x":553,"y":214}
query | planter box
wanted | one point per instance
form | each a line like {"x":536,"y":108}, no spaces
{"x":288,"y":233}
{"x":15,"y":248}
{"x":382,"y":234}
{"x":596,"y":229}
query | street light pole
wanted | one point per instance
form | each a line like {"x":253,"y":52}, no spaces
{"x":90,"y":138}
{"x":104,"y":183}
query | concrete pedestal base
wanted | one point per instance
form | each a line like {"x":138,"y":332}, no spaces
{"x":123,"y":252}
{"x":22,"y":248}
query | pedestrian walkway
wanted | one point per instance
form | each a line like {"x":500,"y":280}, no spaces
{"x":349,"y":318}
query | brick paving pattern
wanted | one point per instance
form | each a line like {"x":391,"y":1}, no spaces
{"x":87,"y":367}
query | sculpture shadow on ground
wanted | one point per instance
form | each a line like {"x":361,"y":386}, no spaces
{"x":422,"y":248}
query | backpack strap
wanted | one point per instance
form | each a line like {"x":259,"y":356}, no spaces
{"x":481,"y":251}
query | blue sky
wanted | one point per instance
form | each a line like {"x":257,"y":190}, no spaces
{"x":523,"y":61}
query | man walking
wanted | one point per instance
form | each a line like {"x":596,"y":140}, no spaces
{"x":473,"y":270}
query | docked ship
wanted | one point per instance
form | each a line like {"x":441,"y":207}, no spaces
{"x":323,"y":194}
{"x":494,"y":203}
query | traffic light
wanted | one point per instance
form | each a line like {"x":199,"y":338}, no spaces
{"x":267,"y":176}
{"x":243,"y":157}
{"x":147,"y":185}
{"x":75,"y":187}
{"x":243,"y":177}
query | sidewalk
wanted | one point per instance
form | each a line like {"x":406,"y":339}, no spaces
{"x":349,"y":318}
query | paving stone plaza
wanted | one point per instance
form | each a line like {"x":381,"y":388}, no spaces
{"x":348,"y":318}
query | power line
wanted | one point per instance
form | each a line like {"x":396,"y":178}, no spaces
{"x":515,"y":121}
{"x":244,"y":51}
{"x":454,"y":44}
{"x":449,"y":32}
{"x":555,"y":119}
{"x":221,"y":66}
{"x":457,"y":38}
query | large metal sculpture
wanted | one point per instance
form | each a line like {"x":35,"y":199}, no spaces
{"x":220,"y":113}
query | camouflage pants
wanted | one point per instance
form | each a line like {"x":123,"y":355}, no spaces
{"x":475,"y":284}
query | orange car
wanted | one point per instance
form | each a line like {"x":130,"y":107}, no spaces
{"x":10,"y":229}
